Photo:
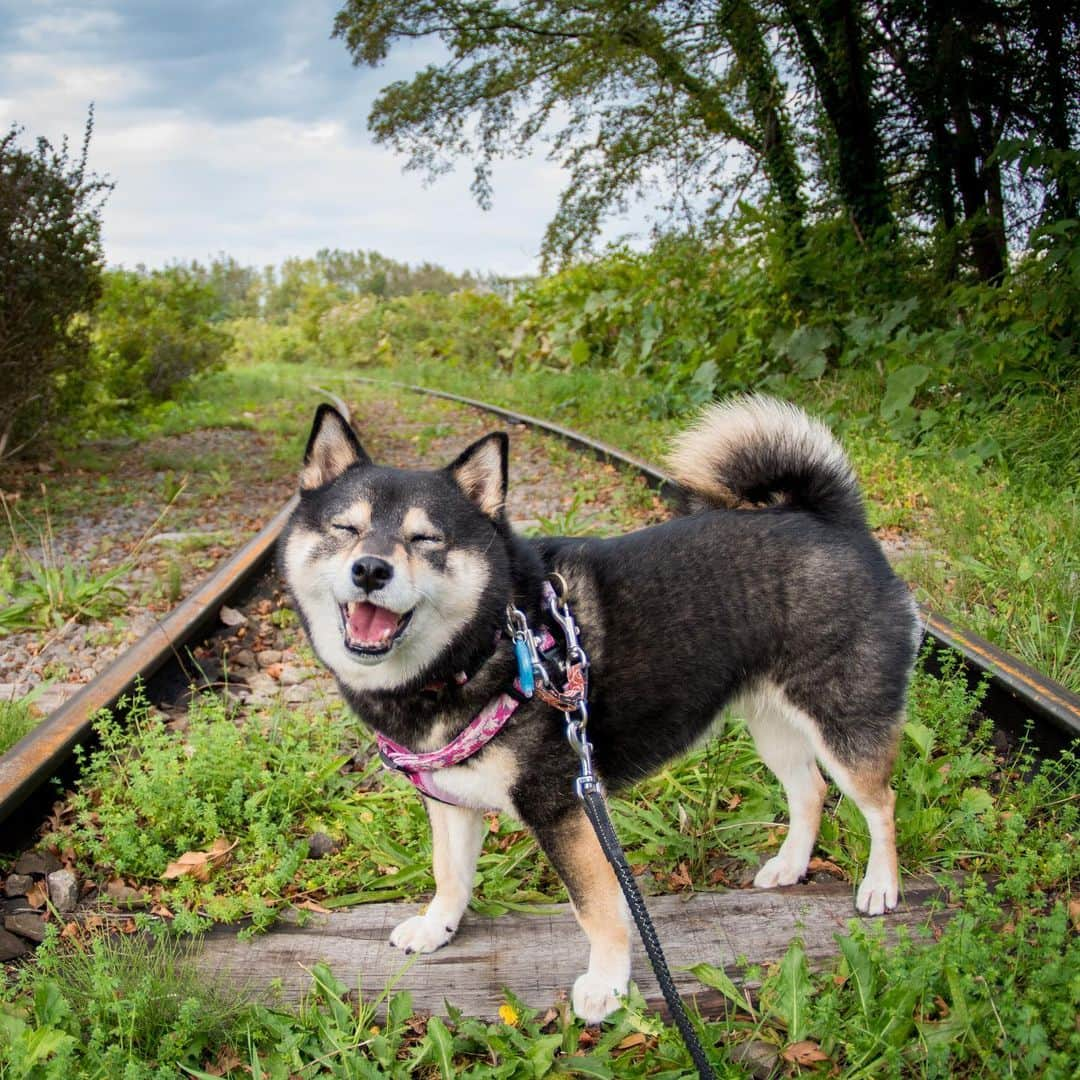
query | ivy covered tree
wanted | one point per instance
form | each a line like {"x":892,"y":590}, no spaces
{"x":50,"y":276}
{"x":906,"y":118}
{"x":628,"y":94}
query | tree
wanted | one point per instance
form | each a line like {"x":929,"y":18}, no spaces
{"x":966,"y":88}
{"x":916,"y":117}
{"x":50,"y":275}
{"x":831,"y":40}
{"x":629,"y":93}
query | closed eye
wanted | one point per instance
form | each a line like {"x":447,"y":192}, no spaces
{"x":341,"y":526}
{"x":430,"y":539}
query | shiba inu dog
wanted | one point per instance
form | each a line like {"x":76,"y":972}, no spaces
{"x":769,"y":591}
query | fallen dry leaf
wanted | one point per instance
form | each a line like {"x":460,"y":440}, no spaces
{"x":806,"y":1052}
{"x":311,"y":905}
{"x":197,"y":864}
{"x":38,"y":894}
{"x":827,"y":865}
{"x":225,"y":1063}
{"x":635,"y":1039}
{"x":194,"y":864}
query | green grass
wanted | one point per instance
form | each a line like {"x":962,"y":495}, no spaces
{"x":1000,"y":536}
{"x":16,"y":720}
{"x":993,"y":995}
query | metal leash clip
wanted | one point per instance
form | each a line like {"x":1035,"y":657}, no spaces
{"x":575,"y":654}
{"x":575,"y":735}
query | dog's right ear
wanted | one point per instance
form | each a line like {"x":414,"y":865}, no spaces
{"x":332,"y":447}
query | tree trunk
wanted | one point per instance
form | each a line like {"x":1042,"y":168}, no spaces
{"x":765,"y":94}
{"x":832,"y":44}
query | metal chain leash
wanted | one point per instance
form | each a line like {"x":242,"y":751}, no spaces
{"x":572,"y":700}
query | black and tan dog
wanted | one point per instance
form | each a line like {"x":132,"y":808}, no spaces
{"x":770,"y":591}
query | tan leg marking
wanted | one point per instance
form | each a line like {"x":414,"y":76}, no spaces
{"x":601,"y":912}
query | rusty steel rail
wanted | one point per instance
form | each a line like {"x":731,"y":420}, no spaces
{"x":1016,"y":691}
{"x":34,"y":759}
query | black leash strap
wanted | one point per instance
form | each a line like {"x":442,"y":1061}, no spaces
{"x":573,"y":701}
{"x":593,"y":801}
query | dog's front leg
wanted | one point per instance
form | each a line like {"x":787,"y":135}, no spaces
{"x":456,"y":837}
{"x":571,"y":845}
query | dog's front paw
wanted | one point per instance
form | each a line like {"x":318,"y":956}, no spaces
{"x":779,"y":871}
{"x":594,"y":997}
{"x":878,"y":893}
{"x":421,"y":934}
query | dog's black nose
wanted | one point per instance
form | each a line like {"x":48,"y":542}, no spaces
{"x":371,"y":573}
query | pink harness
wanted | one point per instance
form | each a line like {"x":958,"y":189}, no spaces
{"x":488,"y":722}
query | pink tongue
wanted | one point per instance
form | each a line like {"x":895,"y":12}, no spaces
{"x":371,"y":624}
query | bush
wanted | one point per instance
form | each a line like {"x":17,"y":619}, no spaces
{"x":50,"y":275}
{"x":152,"y":332}
{"x":465,"y":327}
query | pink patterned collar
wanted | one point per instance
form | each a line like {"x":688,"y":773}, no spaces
{"x":419,"y":768}
{"x":488,"y":722}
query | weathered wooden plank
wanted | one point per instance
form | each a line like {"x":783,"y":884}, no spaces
{"x":539,"y":956}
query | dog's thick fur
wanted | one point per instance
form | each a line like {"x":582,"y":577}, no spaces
{"x":769,"y":591}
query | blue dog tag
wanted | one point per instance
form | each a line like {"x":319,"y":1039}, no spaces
{"x":524,"y":663}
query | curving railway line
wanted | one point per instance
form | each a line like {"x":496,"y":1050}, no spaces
{"x":1016,"y":693}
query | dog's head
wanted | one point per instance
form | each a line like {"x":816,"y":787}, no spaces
{"x":396,"y":571}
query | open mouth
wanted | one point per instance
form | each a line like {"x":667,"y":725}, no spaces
{"x":372,"y":630}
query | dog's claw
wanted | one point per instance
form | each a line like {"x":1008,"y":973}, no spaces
{"x":875,"y":898}
{"x":594,"y":998}
{"x":420,"y":935}
{"x":778,"y":871}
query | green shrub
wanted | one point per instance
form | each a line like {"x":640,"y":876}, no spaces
{"x":152,"y":332}
{"x":50,"y":276}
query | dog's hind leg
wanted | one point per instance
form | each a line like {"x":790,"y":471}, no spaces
{"x":787,"y":750}
{"x":571,"y":845}
{"x":867,"y":784}
{"x":785,"y":734}
{"x":456,"y":838}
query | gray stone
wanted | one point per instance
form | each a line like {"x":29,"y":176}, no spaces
{"x":261,"y":685}
{"x":231,"y":617}
{"x":320,"y":845}
{"x":87,"y":673}
{"x":293,"y":676}
{"x":18,"y":884}
{"x":297,"y":695}
{"x":268,"y":656}
{"x":757,"y":1055}
{"x":12,"y":947}
{"x":29,"y":926}
{"x":243,"y":658}
{"x":36,"y":862}
{"x":64,"y":890}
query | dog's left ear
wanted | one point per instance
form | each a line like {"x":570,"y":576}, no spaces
{"x":481,"y":472}
{"x":332,"y":447}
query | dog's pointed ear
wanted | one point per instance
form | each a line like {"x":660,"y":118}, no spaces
{"x":332,"y":447}
{"x":481,"y":472}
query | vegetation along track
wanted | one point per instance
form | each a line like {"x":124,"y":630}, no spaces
{"x":249,"y":653}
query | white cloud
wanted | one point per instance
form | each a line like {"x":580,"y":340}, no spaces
{"x":255,"y":148}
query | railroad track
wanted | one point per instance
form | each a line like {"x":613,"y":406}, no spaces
{"x":1016,"y":693}
{"x":488,"y":954}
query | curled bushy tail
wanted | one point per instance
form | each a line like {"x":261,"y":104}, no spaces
{"x":753,"y":450}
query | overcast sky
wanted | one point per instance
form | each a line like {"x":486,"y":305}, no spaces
{"x":242,"y":127}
